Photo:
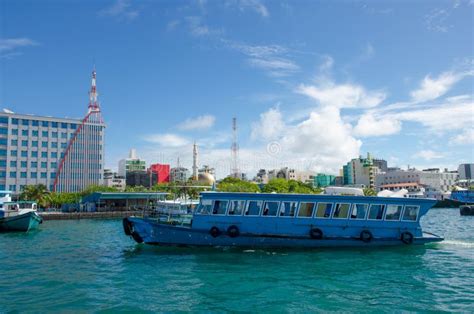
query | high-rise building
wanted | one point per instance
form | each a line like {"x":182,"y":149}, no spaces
{"x":466,"y":171}
{"x":322,"y":180}
{"x":362,"y":171}
{"x":132,"y":163}
{"x":66,"y":155}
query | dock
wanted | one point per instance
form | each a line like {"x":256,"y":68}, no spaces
{"x":87,"y":215}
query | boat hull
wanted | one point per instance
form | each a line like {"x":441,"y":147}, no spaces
{"x":24,"y":222}
{"x":466,"y":210}
{"x":150,"y":232}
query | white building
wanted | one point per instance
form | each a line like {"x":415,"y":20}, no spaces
{"x":111,"y":179}
{"x":132,"y":163}
{"x":179,"y":174}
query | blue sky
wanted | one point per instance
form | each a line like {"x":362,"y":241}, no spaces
{"x":312,"y":83}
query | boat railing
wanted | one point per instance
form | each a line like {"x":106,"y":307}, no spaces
{"x":182,"y":218}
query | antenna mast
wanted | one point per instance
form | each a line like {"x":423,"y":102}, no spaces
{"x":235,"y":171}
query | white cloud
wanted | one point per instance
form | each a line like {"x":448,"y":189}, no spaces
{"x":342,"y":96}
{"x":255,"y":5}
{"x":121,"y":9}
{"x":270,"y":125}
{"x":465,"y":138}
{"x":167,"y":140}
{"x":198,"y":28}
{"x":428,"y":155}
{"x":368,"y":125}
{"x":198,"y":123}
{"x":437,"y":21}
{"x":432,"y":88}
{"x":9,"y":44}
{"x":275,"y":66}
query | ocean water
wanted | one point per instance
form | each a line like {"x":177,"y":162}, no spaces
{"x":91,"y":266}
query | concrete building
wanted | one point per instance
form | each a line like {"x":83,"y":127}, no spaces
{"x":132,"y":163}
{"x":66,"y":155}
{"x":111,"y":179}
{"x":141,"y":178}
{"x":162,"y":171}
{"x":179,"y":174}
{"x":466,"y":171}
{"x":362,"y":171}
{"x":435,"y":182}
{"x":261,"y":176}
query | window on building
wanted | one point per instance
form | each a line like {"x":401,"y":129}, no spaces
{"x":12,"y":187}
{"x":14,"y":131}
{"x":323,"y":210}
{"x":54,"y":155}
{"x":359,"y":211}
{"x":23,"y":164}
{"x":253,"y":208}
{"x":54,"y":165}
{"x":33,"y":175}
{"x":53,"y":175}
{"x":15,"y":121}
{"x":45,"y":123}
{"x":35,"y":133}
{"x":236,"y":208}
{"x":13,"y":153}
{"x":270,"y":208}
{"x":3,"y":174}
{"x":376,"y":212}
{"x":341,"y":211}
{"x":63,"y":145}
{"x":64,"y":125}
{"x":24,"y":153}
{"x":23,"y":175}
{"x":44,"y":133}
{"x":4,"y":131}
{"x":24,"y":132}
{"x":73,"y":126}
{"x":44,"y":175}
{"x":3,"y":152}
{"x":411,"y":213}
{"x":34,"y":143}
{"x":4,"y":120}
{"x":24,"y":143}
{"x":34,"y":164}
{"x":44,"y":154}
{"x":54,"y":125}
{"x":63,"y":135}
{"x":3,"y":141}
{"x":44,"y":144}
{"x":219,"y":207}
{"x":12,"y":174}
{"x":34,"y":122}
{"x":13,"y":163}
{"x":288,"y":209}
{"x":54,"y":144}
{"x":393,"y":212}
{"x":3,"y":163}
{"x":25,"y":122}
{"x":306,"y":209}
{"x":44,"y":164}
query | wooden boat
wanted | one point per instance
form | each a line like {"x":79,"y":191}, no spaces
{"x":290,"y":220}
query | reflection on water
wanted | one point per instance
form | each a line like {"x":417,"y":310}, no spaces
{"x":90,"y":265}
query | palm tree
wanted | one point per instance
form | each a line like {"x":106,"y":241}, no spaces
{"x":37,"y":193}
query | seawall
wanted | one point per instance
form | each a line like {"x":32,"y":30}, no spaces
{"x":87,"y":215}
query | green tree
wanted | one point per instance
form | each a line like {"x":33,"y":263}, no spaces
{"x":369,"y":192}
{"x":237,"y":185}
{"x":37,"y":193}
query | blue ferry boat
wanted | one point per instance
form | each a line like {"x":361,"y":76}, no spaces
{"x":289,"y":220}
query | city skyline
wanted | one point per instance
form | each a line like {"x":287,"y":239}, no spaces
{"x":304,"y":96}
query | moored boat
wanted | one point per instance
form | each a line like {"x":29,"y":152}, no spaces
{"x":19,"y":216}
{"x":290,"y":220}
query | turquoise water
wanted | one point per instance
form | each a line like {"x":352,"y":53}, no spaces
{"x":89,"y":265}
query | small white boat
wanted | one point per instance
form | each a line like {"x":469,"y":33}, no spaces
{"x":19,"y":216}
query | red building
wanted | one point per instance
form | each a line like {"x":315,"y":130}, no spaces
{"x":162,"y":171}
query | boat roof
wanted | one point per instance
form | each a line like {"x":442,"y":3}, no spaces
{"x":19,"y":202}
{"x":94,"y":197}
{"x":319,"y":197}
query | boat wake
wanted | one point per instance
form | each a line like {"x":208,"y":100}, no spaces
{"x":465,"y":244}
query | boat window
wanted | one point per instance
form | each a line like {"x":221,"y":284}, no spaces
{"x":393,"y":212}
{"x":411,"y":212}
{"x":219,"y":207}
{"x":270,"y":209}
{"x":324,"y":210}
{"x":253,"y":208}
{"x":306,"y":210}
{"x":359,"y":211}
{"x":376,"y":212}
{"x":204,"y":207}
{"x":236,"y":208}
{"x":288,"y":209}
{"x":341,"y":211}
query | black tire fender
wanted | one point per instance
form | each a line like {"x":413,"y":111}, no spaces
{"x":406,"y":237}
{"x":366,"y":236}
{"x":233,"y":231}
{"x":126,"y":226}
{"x":316,"y":233}
{"x":214,"y":232}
